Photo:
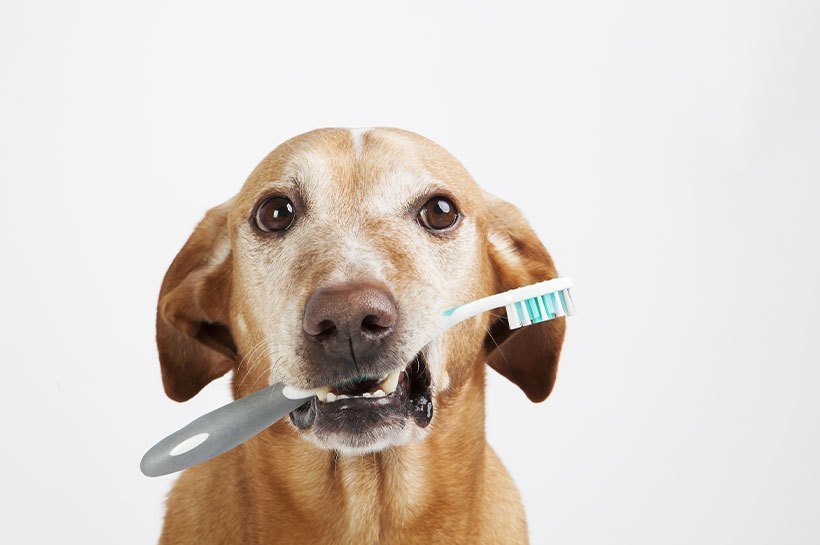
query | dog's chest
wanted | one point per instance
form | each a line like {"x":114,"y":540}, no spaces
{"x":377,"y":496}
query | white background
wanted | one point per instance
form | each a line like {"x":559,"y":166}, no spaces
{"x":666,"y":152}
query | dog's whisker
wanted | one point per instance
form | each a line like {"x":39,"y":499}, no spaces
{"x":253,"y":361}
{"x":490,"y":335}
{"x":248,"y":354}
{"x":251,"y":364}
{"x":262,"y":375}
{"x":252,"y":354}
{"x":261,"y":357}
{"x":255,"y":349}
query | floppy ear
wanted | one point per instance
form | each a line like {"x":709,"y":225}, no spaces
{"x":528,"y":356}
{"x":193,"y":335}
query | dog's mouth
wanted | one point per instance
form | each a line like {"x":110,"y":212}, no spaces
{"x":363,"y":406}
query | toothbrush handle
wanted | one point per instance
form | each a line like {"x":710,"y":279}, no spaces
{"x":218,"y":431}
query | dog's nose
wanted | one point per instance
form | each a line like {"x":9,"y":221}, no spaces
{"x":351,"y":320}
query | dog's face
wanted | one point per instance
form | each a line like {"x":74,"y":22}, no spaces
{"x":329,"y":272}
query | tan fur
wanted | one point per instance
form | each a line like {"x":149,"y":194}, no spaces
{"x":233,"y":301}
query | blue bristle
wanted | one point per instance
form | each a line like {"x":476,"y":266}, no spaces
{"x":549,"y":304}
{"x":535,"y":315}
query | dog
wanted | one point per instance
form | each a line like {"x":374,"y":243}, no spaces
{"x":328,"y":271}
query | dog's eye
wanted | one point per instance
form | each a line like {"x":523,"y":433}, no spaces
{"x":438,"y":213}
{"x":275,"y":214}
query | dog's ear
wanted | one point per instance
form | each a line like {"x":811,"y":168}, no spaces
{"x":193,"y":334}
{"x":528,"y":356}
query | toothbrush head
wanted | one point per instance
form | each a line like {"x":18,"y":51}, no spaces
{"x":525,"y":306}
{"x":541,"y":307}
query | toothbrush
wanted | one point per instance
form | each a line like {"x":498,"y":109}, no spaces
{"x":230,"y":425}
{"x":528,"y":305}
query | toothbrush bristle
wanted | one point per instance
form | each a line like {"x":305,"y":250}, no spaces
{"x":570,"y":303}
{"x":559,"y":308}
{"x":541,"y":308}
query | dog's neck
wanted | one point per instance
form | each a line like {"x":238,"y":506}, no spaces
{"x":296,"y":489}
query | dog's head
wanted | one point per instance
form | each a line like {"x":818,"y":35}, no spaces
{"x":329,"y":271}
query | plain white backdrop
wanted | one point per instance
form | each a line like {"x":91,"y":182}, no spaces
{"x":666,"y":152}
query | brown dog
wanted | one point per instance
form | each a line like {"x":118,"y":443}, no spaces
{"x":327,"y":271}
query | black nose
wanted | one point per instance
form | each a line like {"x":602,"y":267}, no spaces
{"x":350,"y":321}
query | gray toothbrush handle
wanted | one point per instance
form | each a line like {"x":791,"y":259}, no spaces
{"x":218,"y":431}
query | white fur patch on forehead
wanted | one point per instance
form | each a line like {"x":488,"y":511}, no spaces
{"x":357,"y":134}
{"x":399,"y":181}
{"x":399,"y":187}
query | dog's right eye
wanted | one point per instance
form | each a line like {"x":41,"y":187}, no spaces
{"x":275,"y":214}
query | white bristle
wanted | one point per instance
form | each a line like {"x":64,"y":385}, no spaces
{"x":512,"y":317}
{"x":570,"y":302}
{"x":559,"y":308}
{"x":543,"y":308}
{"x":526,"y":320}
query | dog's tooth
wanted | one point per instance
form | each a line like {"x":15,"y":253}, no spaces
{"x":389,"y":384}
{"x":342,"y":396}
{"x":379,"y":393}
{"x":366,"y":394}
{"x":292,"y":392}
{"x":330,"y":397}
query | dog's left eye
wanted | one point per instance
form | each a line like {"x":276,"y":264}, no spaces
{"x":438,"y":213}
{"x":275,"y":214}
